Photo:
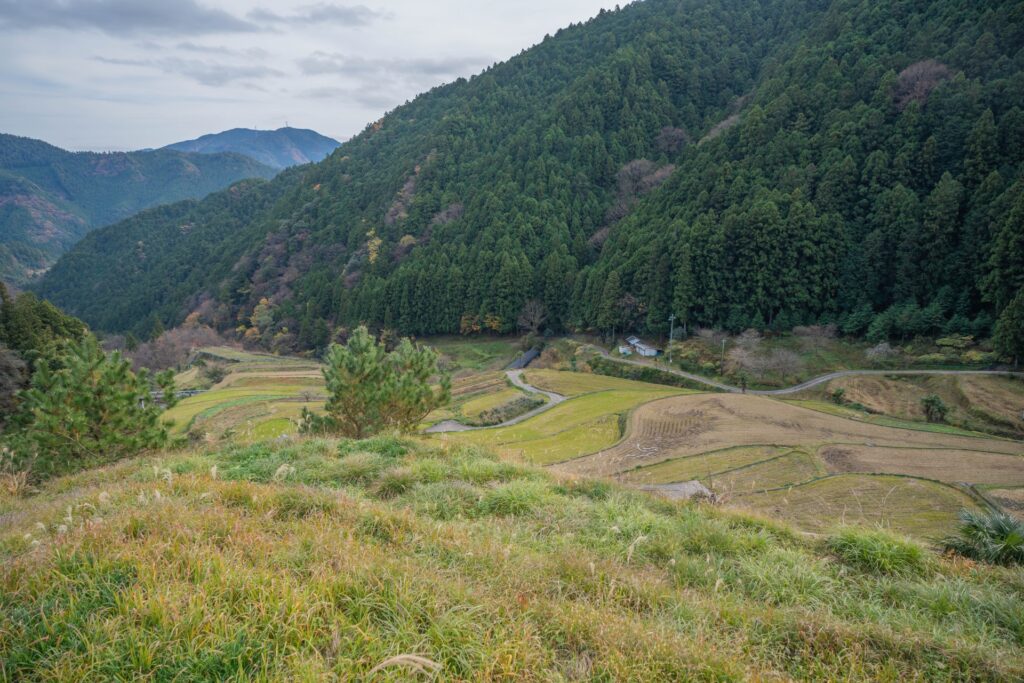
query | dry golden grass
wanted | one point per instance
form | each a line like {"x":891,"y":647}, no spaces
{"x":1011,"y":500}
{"x":691,"y":425}
{"x":996,"y":399}
{"x":899,"y":398}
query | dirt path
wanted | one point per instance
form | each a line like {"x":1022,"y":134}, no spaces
{"x":516,"y":377}
{"x":804,"y":385}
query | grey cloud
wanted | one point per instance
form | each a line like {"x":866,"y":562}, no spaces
{"x":121,"y":17}
{"x":320,"y":63}
{"x":322,"y":13}
{"x":205,"y":73}
{"x":373,"y":98}
{"x":249,"y":53}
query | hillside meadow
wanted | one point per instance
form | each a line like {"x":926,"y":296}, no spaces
{"x":395,"y":559}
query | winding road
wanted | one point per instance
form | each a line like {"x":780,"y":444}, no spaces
{"x":516,"y":378}
{"x":822,"y":379}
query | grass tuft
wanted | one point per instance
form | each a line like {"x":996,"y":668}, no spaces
{"x":515,"y":498}
{"x":877,"y":551}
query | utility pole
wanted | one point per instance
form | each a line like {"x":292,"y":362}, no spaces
{"x":671,"y":335}
{"x":722,"y":369}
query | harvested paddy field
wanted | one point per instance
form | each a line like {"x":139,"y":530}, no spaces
{"x":814,"y":468}
{"x":683,"y":426}
{"x":916,"y":507}
{"x":943,"y":464}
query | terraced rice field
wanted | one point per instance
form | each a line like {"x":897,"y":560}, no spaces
{"x":475,"y":354}
{"x":261,"y":397}
{"x":581,"y":425}
{"x":1010,"y":499}
{"x":916,"y":507}
{"x":811,"y":467}
{"x":578,"y":383}
{"x":943,"y":464}
{"x":702,"y":467}
{"x":690,"y":425}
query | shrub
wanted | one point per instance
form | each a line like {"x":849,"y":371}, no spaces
{"x":993,"y":537}
{"x":838,"y":396}
{"x":215,"y":374}
{"x":979,"y":357}
{"x":934,"y":359}
{"x":935,"y":409}
{"x":602,"y":366}
{"x":877,"y":551}
{"x":507,"y":411}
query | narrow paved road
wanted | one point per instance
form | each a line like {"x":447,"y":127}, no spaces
{"x":516,"y":377}
{"x":804,"y":385}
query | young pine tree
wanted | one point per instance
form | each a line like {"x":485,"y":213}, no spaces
{"x":84,"y":408}
{"x":371,"y":390}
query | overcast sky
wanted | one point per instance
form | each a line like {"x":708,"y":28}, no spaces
{"x":129,"y":74}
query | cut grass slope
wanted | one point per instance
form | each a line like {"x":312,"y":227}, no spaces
{"x":321,"y":560}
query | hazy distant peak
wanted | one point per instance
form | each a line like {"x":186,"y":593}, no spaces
{"x":279,"y":148}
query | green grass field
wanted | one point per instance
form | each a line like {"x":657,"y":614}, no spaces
{"x":578,"y":383}
{"x":473,"y":354}
{"x":581,"y":425}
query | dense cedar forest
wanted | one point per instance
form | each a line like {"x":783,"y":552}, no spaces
{"x":740,"y":164}
{"x":49,"y":198}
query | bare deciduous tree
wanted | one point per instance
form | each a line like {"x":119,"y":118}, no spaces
{"x":174,"y":347}
{"x":672,"y":140}
{"x":750,"y":339}
{"x":784,"y":362}
{"x":917,"y":81}
{"x":532,"y":316}
{"x":814,"y":336}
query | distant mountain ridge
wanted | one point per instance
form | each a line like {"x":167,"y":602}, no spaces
{"x":50,"y":198}
{"x":279,"y":148}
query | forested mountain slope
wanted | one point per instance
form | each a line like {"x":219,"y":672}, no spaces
{"x":279,"y":148}
{"x":49,"y":198}
{"x":738,"y":163}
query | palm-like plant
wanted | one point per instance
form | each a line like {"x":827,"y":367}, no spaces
{"x":994,"y":537}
